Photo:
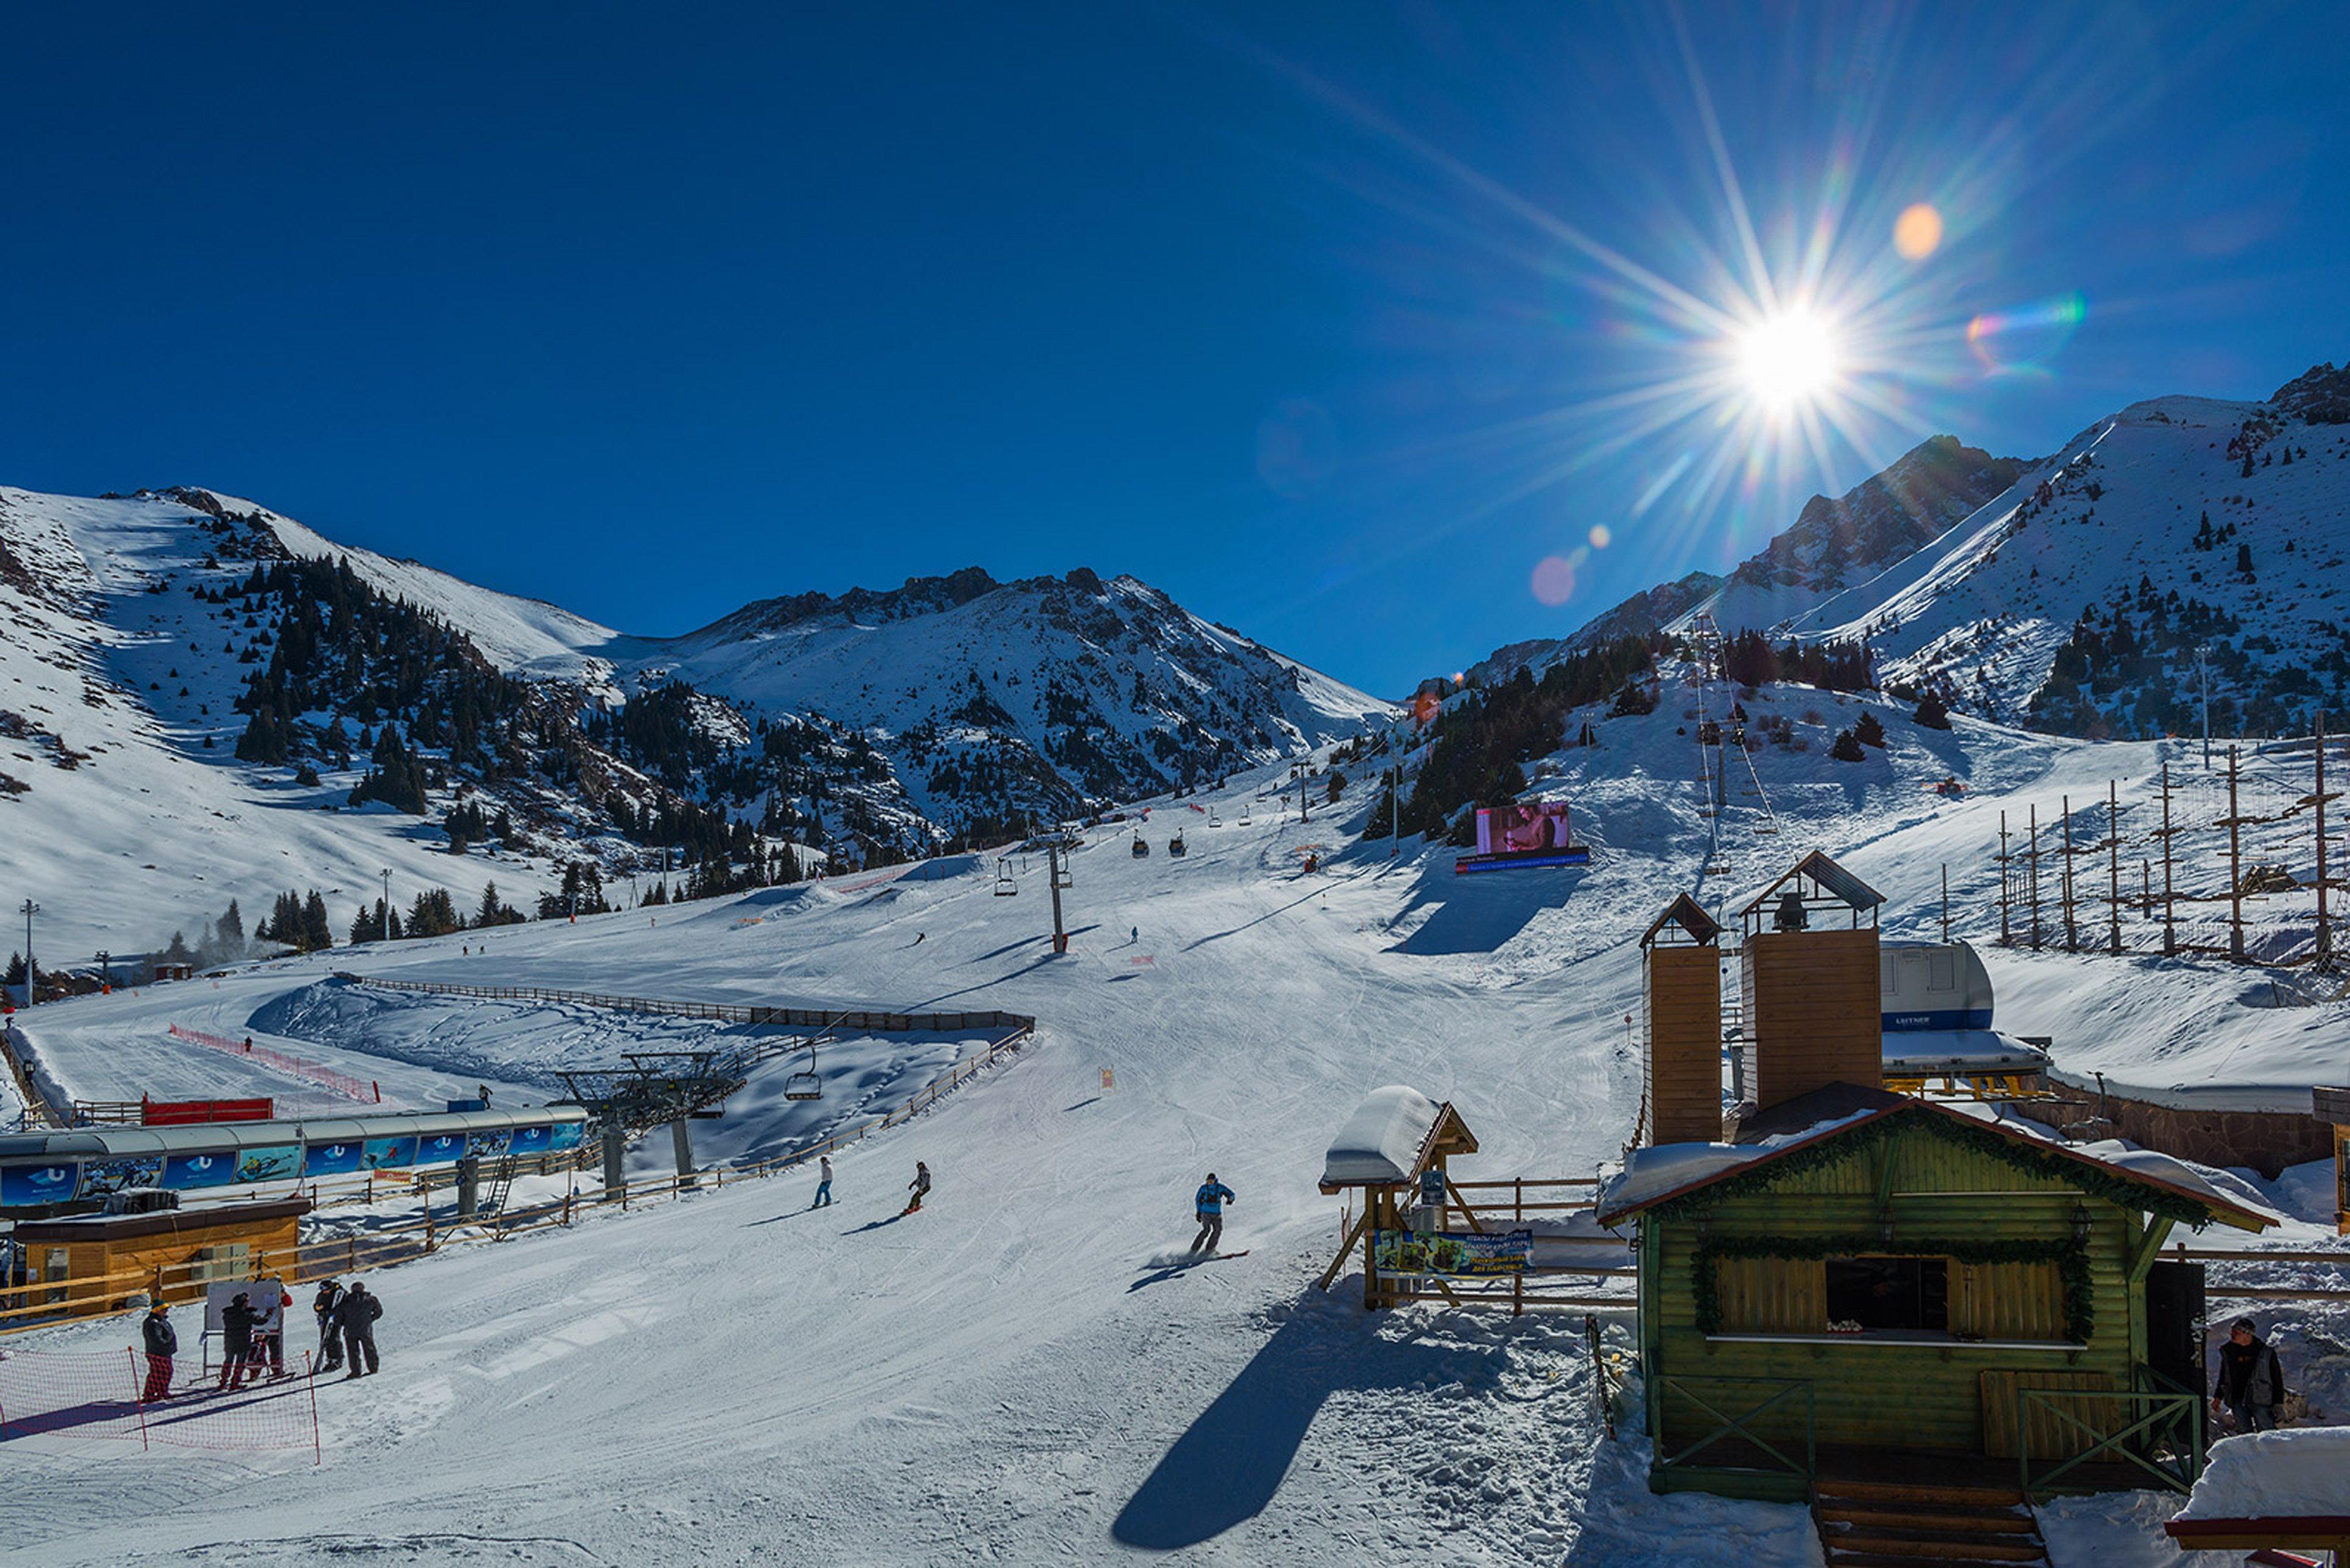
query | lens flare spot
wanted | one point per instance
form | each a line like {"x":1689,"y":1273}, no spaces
{"x":1918,"y":232}
{"x":1600,"y":538}
{"x":1790,"y":359}
{"x":1554,"y":581}
{"x":2021,"y":342}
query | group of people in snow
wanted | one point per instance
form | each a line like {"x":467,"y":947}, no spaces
{"x":1207,"y":1204}
{"x":252,"y":1335}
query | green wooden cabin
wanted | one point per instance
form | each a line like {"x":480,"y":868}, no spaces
{"x":1863,"y":1272}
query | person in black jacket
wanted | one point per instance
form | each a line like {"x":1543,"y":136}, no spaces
{"x":330,"y":1343}
{"x":162,"y":1343}
{"x":2250,"y":1379}
{"x":237,"y":1320}
{"x":355,"y":1315}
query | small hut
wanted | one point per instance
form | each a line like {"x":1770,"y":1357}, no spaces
{"x":1859,"y":1271}
{"x":1396,"y":1137}
{"x":96,"y":1262}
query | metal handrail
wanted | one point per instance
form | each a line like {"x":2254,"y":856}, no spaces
{"x":1787,"y":1388}
{"x":2166,"y":1415}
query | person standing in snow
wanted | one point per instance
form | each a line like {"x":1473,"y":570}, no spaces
{"x":355,"y":1315}
{"x":237,"y":1319}
{"x":322,"y":1308}
{"x":918,"y":1185}
{"x":162,"y":1342}
{"x":1210,"y":1202}
{"x":269,"y":1334}
{"x":824,"y":1182}
{"x":2250,"y":1379}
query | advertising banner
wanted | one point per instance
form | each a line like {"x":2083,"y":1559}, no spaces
{"x":487,"y":1145}
{"x":332,"y":1158}
{"x":526,"y":1141}
{"x":100,"y":1177}
{"x":27,"y":1184}
{"x":281,"y":1163}
{"x":1534,"y":828}
{"x":197,"y":1113}
{"x":389,"y":1154}
{"x":187,"y":1173}
{"x":1452,"y":1254}
{"x":442,"y":1149}
{"x":568,"y":1135}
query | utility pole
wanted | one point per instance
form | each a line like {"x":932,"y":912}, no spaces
{"x":2203,"y":670}
{"x":2324,"y":929}
{"x":106,"y":968}
{"x":2032,"y":861}
{"x":31,"y":972}
{"x":385,"y":921}
{"x":2112,"y":866}
{"x":1052,"y":877}
{"x":2004,"y":940}
{"x":2235,"y":872}
{"x":1946,"y":903}
{"x":2064,"y":881}
{"x":2170,"y":906}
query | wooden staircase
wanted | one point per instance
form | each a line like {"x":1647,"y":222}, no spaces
{"x":1905,"y":1524}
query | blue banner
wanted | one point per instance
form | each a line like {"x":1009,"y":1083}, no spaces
{"x":487,"y":1145}
{"x":389,"y":1153}
{"x":184,"y":1172}
{"x":279,"y":1164}
{"x":441,"y":1149}
{"x":100,"y":1177}
{"x":531,"y":1140}
{"x":27,"y":1184}
{"x":567,"y":1134}
{"x":331,"y":1159}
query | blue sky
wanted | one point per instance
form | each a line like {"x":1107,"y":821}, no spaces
{"x":1336,"y":321}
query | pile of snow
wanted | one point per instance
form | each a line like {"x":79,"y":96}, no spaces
{"x":1380,"y":1143}
{"x":2303,"y":1472}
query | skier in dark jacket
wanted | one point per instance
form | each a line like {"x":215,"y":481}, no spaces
{"x":162,"y":1342}
{"x":237,"y":1320}
{"x":2250,"y":1379}
{"x":322,"y":1308}
{"x":355,"y":1315}
{"x":918,"y":1187}
{"x":1210,"y":1202}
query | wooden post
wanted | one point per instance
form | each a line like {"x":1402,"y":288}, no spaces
{"x":2004,"y":940}
{"x":2170,"y":905}
{"x":2235,"y":871}
{"x":1946,"y":903}
{"x":2325,"y":929}
{"x":2064,"y":881}
{"x":2032,"y":861}
{"x":2112,"y":866}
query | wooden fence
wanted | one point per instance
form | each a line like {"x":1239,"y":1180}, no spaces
{"x":871,"y":1020}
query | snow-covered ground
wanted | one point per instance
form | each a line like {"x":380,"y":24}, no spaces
{"x":1023,"y":1372}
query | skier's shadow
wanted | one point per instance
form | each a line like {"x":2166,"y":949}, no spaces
{"x":790,"y":1214}
{"x":1227,"y":1465}
{"x":877,"y":1224}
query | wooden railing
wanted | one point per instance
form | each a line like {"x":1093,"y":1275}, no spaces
{"x":37,"y":1108}
{"x":1750,"y":1399}
{"x":2157,"y":1430}
{"x":870,"y":1020}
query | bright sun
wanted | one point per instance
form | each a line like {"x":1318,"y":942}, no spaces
{"x":1789,"y":360}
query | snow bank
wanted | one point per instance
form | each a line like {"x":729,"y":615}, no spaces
{"x":2304,"y":1473}
{"x":1382,"y":1140}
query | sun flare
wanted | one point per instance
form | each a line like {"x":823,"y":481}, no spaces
{"x":1789,"y":360}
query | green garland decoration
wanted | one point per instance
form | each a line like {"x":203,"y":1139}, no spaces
{"x":2071,"y":1258}
{"x":1838,"y":1146}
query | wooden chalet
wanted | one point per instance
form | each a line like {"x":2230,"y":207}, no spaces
{"x":97,"y":1262}
{"x":1847,"y":1273}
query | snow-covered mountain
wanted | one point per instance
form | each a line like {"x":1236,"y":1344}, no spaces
{"x":201,"y":699}
{"x":2072,"y":594}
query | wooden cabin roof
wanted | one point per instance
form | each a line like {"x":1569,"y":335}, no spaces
{"x":1838,"y":1109}
{"x":1689,"y":915}
{"x":1839,"y":883}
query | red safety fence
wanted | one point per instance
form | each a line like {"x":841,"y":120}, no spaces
{"x":127,"y":1395}
{"x":342,"y":1083}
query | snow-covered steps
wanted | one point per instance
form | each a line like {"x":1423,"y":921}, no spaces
{"x":1869,"y":1523}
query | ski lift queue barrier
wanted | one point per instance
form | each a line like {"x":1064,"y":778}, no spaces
{"x":44,"y":1302}
{"x":864,"y":1020}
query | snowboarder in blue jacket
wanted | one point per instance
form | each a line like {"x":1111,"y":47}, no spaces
{"x":1210,"y":1202}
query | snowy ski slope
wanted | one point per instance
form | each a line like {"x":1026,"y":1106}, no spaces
{"x":1019,"y":1373}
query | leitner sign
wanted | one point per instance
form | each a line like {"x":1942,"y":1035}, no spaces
{"x":1452,"y":1254}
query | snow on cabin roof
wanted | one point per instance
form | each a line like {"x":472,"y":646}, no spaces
{"x":2302,"y":1473}
{"x":1660,"y":1171}
{"x":1381,"y":1142}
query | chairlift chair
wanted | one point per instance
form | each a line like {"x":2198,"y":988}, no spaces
{"x":1006,"y":887}
{"x":804,"y":1084}
{"x":1141,"y":851}
{"x":1175,"y":845}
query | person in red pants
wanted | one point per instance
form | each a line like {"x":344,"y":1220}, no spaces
{"x":162,"y":1344}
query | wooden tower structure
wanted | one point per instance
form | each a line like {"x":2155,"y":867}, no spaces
{"x":1680,"y":969}
{"x":1808,"y":969}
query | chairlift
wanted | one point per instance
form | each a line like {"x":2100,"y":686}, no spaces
{"x":804,"y":1084}
{"x":1175,"y":845}
{"x":1244,"y":814}
{"x":1213,"y":820}
{"x":1005,"y":886}
{"x":1141,"y":850}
